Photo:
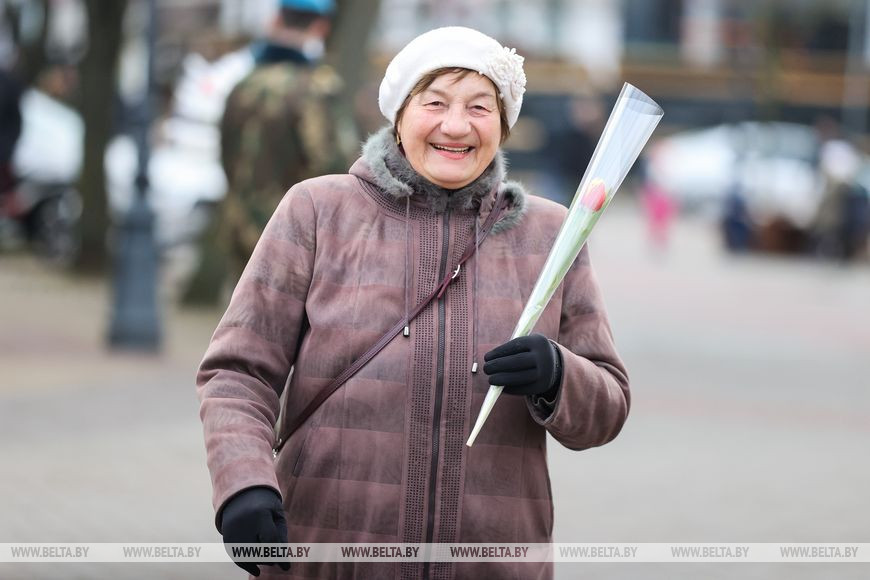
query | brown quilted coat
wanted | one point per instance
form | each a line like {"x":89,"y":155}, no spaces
{"x":384,"y":459}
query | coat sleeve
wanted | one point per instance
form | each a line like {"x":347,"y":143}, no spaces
{"x":593,"y":399}
{"x":250,"y":355}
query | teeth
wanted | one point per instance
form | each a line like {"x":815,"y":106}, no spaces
{"x":452,"y":149}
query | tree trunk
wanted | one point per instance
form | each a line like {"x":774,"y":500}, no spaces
{"x":349,"y":41}
{"x":98,"y":92}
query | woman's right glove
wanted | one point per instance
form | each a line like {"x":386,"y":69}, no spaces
{"x":527,"y":365}
{"x":255,"y":516}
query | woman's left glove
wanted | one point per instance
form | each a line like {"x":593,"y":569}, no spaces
{"x":527,"y":365}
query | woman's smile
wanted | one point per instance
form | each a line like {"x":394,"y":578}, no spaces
{"x":453,"y":152}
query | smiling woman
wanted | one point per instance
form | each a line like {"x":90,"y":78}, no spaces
{"x":382,"y":290}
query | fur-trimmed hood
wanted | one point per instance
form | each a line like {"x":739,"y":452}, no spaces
{"x":384,"y":165}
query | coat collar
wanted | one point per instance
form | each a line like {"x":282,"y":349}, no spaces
{"x":270,"y":53}
{"x":383,"y":165}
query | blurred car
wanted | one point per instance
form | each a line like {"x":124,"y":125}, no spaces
{"x":773,"y":167}
{"x":185,"y":175}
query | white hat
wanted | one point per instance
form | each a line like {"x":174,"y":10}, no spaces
{"x":454,"y":46}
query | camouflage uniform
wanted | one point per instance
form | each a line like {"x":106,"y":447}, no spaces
{"x":283,"y":123}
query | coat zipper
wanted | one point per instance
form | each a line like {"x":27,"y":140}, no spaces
{"x":439,"y":390}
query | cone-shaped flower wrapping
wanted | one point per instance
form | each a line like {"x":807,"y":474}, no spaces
{"x":632,"y":121}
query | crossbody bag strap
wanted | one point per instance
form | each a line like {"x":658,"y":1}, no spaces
{"x":285,"y":433}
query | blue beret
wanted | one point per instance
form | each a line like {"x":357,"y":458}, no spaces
{"x":316,"y":6}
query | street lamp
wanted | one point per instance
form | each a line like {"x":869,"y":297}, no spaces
{"x":135,"y":324}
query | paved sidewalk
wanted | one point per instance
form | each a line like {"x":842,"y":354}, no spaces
{"x":97,"y":446}
{"x":750,"y":418}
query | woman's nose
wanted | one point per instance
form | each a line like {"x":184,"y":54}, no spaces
{"x":455,"y":121}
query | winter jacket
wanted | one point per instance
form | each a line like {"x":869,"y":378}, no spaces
{"x":384,"y":459}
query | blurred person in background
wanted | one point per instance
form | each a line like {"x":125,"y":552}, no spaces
{"x":10,"y":129}
{"x":737,"y":227}
{"x":572,"y":144}
{"x":283,"y":123}
{"x":424,"y":234}
{"x":843,"y":218}
{"x":658,"y":209}
{"x":736,"y":223}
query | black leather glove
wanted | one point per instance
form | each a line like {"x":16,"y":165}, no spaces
{"x":255,"y":516}
{"x":528,"y":365}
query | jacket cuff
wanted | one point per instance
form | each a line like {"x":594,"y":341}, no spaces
{"x":543,"y":405}
{"x":253,"y":474}
{"x":220,"y":511}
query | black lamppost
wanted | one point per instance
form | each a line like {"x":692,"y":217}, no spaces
{"x":135,"y":324}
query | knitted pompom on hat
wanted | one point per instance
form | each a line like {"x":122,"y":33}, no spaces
{"x":454,"y":46}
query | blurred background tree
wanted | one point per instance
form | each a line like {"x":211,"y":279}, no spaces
{"x":354,"y":22}
{"x":98,"y":98}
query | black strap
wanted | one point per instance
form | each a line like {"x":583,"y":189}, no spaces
{"x":285,"y":432}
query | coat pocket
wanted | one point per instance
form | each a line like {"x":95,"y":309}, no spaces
{"x":300,"y":458}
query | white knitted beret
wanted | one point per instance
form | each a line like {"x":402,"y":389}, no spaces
{"x":454,"y":46}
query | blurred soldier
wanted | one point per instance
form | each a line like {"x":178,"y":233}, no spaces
{"x":283,"y":123}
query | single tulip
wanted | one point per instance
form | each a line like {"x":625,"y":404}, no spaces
{"x":595,"y":195}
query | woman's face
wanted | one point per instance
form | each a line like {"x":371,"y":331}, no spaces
{"x":451,"y":131}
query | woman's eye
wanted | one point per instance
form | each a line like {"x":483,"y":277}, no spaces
{"x":435,"y":104}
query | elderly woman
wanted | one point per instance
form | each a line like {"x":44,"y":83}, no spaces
{"x":426,"y":241}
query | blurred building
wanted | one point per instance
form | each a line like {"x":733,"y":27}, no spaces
{"x":772,"y":56}
{"x":765,"y":60}
{"x":711,"y":60}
